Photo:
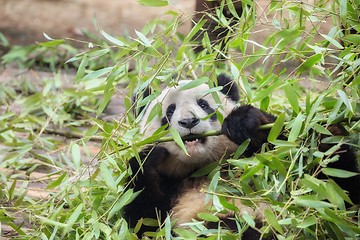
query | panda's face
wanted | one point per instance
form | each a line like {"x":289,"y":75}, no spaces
{"x":191,"y":112}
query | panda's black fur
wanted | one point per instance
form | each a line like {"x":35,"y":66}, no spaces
{"x":165,"y":189}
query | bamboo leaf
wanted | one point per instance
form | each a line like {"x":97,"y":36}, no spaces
{"x":74,"y":217}
{"x":352,"y":38}
{"x":154,"y":3}
{"x":277,"y":128}
{"x":107,"y":176}
{"x":308,"y":222}
{"x":194,"y":30}
{"x":345,"y":100}
{"x":311,"y":202}
{"x":248,"y":219}
{"x":332,"y":41}
{"x":112,"y":39}
{"x":168,"y":228}
{"x":76,"y":156}
{"x":334,"y":172}
{"x":292,"y":97}
{"x":310,"y":62}
{"x":270,"y":217}
{"x":121,"y":202}
{"x":146,"y":42}
{"x":194,"y":83}
{"x":97,"y":73}
{"x":177,"y":138}
{"x":208,"y":217}
{"x":52,"y":222}
{"x":296,"y":128}
{"x":57,"y":182}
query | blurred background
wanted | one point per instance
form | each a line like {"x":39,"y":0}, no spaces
{"x":25,"y":21}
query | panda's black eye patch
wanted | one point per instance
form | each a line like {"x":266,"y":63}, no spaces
{"x":206,"y":107}
{"x":169,"y":113}
{"x":170,"y":110}
{"x":203,"y":104}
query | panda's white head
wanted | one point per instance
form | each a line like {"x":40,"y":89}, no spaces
{"x":192,"y":112}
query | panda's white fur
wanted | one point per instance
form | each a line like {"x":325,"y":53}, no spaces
{"x":199,"y":153}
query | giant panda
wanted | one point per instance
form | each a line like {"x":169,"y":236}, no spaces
{"x":162,"y":174}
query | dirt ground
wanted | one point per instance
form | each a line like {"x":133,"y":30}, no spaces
{"x":25,"y":21}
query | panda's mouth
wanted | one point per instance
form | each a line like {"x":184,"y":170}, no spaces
{"x":194,"y":138}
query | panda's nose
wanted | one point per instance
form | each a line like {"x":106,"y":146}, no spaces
{"x":189,"y":122}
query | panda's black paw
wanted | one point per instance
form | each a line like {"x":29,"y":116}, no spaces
{"x":244,"y":122}
{"x":153,"y":157}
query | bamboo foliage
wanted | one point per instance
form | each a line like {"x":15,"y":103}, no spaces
{"x":56,"y":129}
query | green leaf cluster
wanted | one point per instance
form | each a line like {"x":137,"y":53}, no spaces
{"x":54,"y":136}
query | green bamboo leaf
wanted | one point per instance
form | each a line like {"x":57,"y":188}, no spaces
{"x":312,"y":202}
{"x":251,"y":172}
{"x":81,"y":70}
{"x":310,"y":62}
{"x":3,"y":40}
{"x":185,"y":234}
{"x":334,"y":172}
{"x":97,"y":73}
{"x":52,"y":42}
{"x":146,"y":42}
{"x":308,"y":222}
{"x":121,"y":202}
{"x":332,"y":41}
{"x":204,"y":171}
{"x":343,"y":11}
{"x":107,"y":176}
{"x":6,"y":115}
{"x":340,"y":191}
{"x":76,"y":156}
{"x":267,"y":91}
{"x":168,"y":228}
{"x":74,"y":217}
{"x":154,"y":3}
{"x":333,"y":216}
{"x":241,"y":149}
{"x":194,"y":83}
{"x":248,"y":219}
{"x":177,"y":138}
{"x":296,"y":127}
{"x":208,"y":217}
{"x":320,"y":129}
{"x":57,"y":182}
{"x":232,"y":9}
{"x":292,"y":97}
{"x":277,"y":128}
{"x":193,"y":31}
{"x":345,"y":100}
{"x":155,"y":111}
{"x":333,"y":196}
{"x":352,"y":38}
{"x":52,"y":222}
{"x":214,"y":181}
{"x":108,"y":93}
{"x":112,"y":39}
{"x":12,"y":189}
{"x":271,"y":219}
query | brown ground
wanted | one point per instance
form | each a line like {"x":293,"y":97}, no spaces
{"x":25,"y":21}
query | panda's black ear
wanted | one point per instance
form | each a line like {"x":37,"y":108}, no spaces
{"x":230,"y":88}
{"x":138,"y":97}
